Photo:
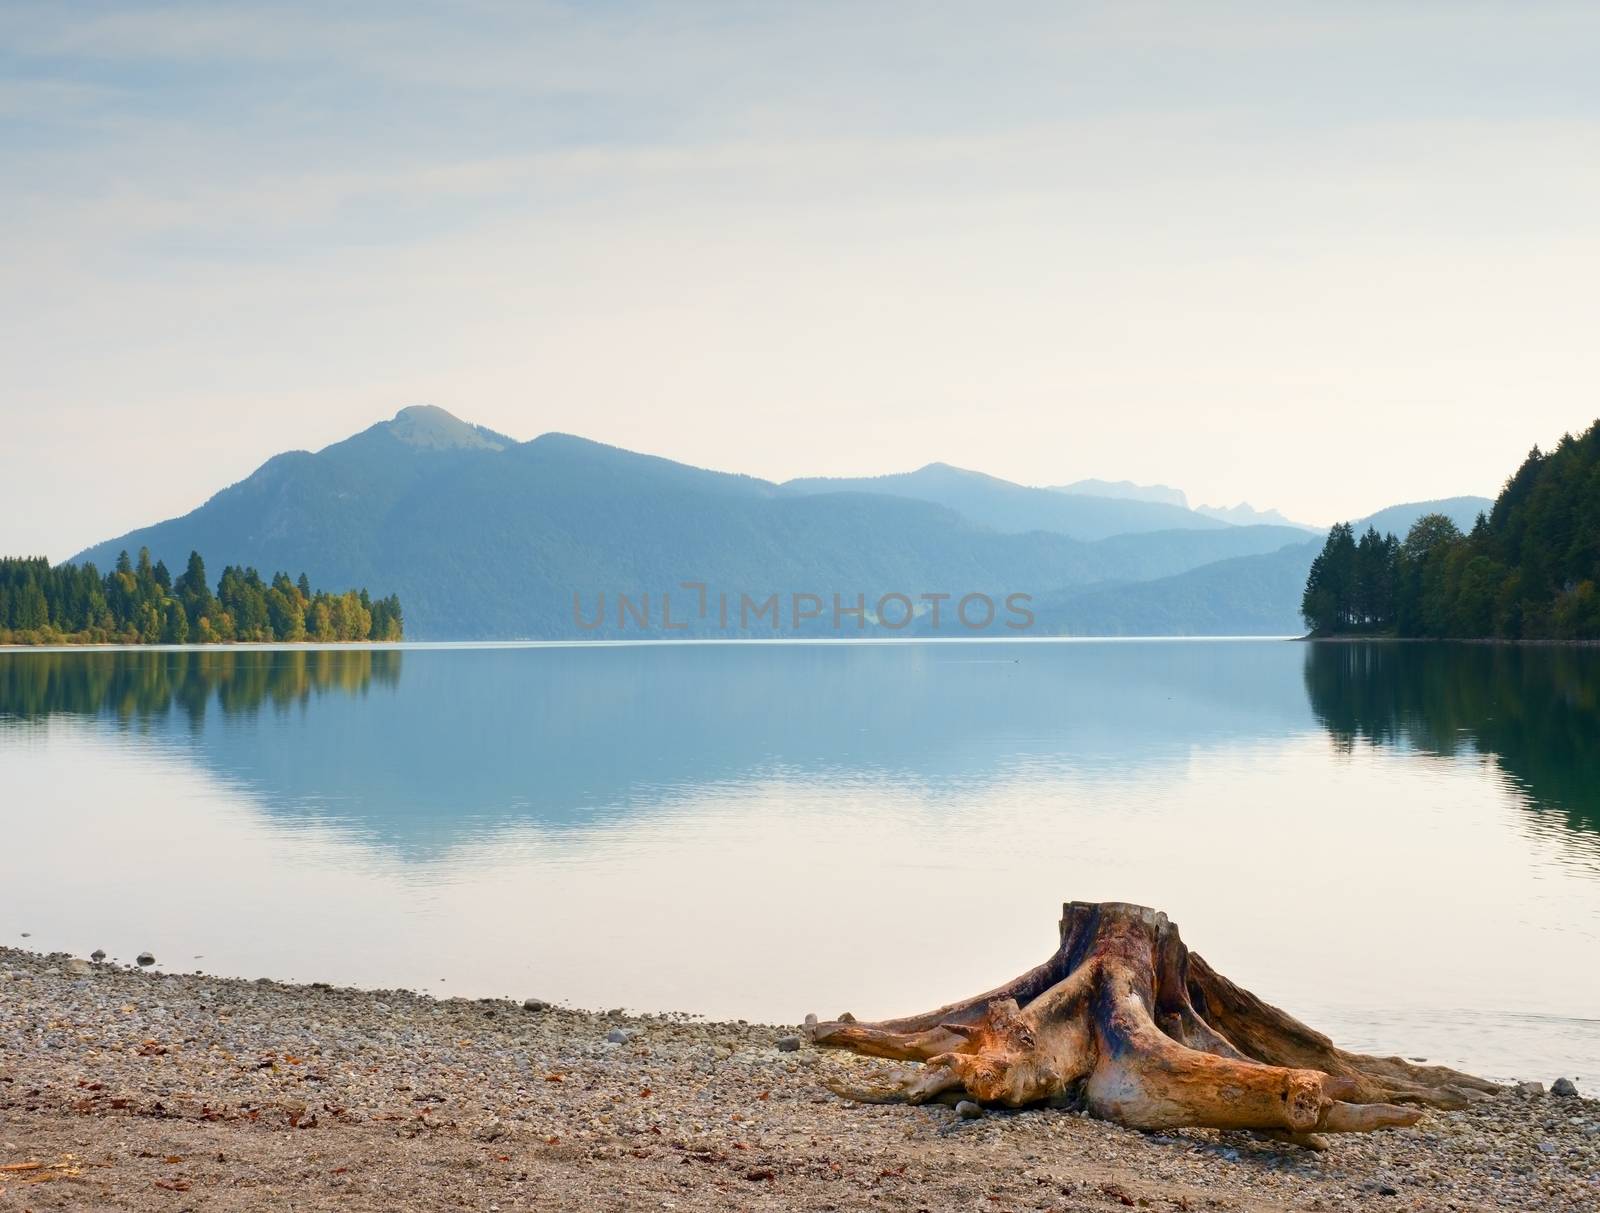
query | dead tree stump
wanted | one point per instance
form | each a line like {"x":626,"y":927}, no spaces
{"x":1126,"y":1022}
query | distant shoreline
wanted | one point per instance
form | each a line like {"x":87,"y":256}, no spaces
{"x":224,"y":646}
{"x":693,"y":641}
{"x":653,"y":641}
{"x":1508,"y":641}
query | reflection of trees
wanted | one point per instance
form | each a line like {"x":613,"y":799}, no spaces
{"x":136,"y":685}
{"x":1536,"y":711}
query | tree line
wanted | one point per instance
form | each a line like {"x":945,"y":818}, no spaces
{"x":1528,"y":570}
{"x":138,"y":602}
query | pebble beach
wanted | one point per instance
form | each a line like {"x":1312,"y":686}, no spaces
{"x":129,"y":1088}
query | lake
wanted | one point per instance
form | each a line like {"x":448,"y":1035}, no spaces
{"x":1400,"y":843}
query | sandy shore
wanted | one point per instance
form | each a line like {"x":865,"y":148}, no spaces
{"x":122,"y":1089}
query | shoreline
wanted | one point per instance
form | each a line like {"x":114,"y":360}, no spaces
{"x":697,"y":641}
{"x":1507,"y":641}
{"x":643,"y":641}
{"x":129,"y":1087}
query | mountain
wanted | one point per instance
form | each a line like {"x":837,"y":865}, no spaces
{"x":321,"y":512}
{"x":1125,"y":490}
{"x":1152,"y":554}
{"x":483,"y":536}
{"x":1398,"y":519}
{"x":1238,"y":595}
{"x":1015,"y":508}
{"x":1243,"y":596}
{"x":1245,"y":514}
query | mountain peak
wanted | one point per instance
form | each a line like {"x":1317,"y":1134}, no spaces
{"x":434,"y":428}
{"x":1245,"y":514}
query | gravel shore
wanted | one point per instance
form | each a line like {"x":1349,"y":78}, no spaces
{"x":129,"y":1089}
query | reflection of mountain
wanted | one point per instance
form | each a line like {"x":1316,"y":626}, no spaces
{"x":1536,"y":710}
{"x":469,"y":740}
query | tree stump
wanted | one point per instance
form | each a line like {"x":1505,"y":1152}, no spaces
{"x":1127,"y":1023}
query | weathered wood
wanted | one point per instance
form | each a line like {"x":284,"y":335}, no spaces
{"x":1124,"y":1020}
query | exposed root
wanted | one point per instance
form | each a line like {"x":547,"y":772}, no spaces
{"x":1125,"y":1020}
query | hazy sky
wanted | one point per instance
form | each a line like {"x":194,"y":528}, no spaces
{"x":1324,"y":257}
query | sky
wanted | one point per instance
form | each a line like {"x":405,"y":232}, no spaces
{"x":1319,"y":257}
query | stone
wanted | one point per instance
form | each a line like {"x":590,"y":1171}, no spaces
{"x":97,"y":955}
{"x":535,"y":1004}
{"x":1530,"y":1088}
{"x":145,"y":960}
{"x":788,"y":1044}
{"x":1563,"y":1086}
{"x":968,"y":1110}
{"x":621,"y":1036}
{"x":79,"y":968}
{"x":1548,"y":1147}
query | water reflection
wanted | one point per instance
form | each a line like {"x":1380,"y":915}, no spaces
{"x":523,"y":819}
{"x":1534,"y":710}
{"x":460,"y":741}
{"x":142,"y":685}
{"x":466,"y":741}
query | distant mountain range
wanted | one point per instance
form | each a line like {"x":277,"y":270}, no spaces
{"x":1125,"y":490}
{"x":1015,"y":508}
{"x":1243,"y":514}
{"x":486,"y":537}
{"x":1253,"y":595}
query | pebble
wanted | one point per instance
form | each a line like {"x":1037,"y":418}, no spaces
{"x":535,"y":1004}
{"x":1563,"y":1086}
{"x":788,"y":1044}
{"x":145,"y":959}
{"x":968,"y":1110}
{"x":97,"y":955}
{"x":79,"y":968}
{"x":1531,"y":1088}
{"x":621,"y":1036}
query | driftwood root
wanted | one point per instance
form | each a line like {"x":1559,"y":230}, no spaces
{"x":1124,"y":1021}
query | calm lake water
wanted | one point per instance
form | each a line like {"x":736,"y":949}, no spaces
{"x":1399,"y":843}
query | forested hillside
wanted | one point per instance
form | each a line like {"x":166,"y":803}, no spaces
{"x":1527,"y":569}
